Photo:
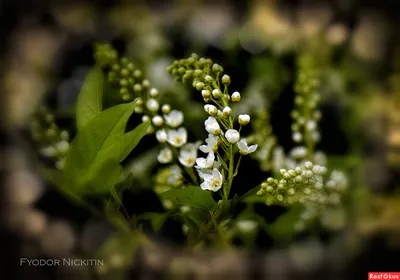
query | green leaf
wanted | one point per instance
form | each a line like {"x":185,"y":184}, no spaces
{"x":252,"y":197}
{"x":157,"y":219}
{"x":92,"y":163}
{"x":283,"y":229}
{"x":192,"y":196}
{"x":90,"y":98}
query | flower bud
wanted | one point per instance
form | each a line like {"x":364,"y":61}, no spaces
{"x":152,"y":105}
{"x":235,"y":96}
{"x":226,"y":80}
{"x":244,"y":119}
{"x":308,"y":165}
{"x":166,"y":108}
{"x":158,"y":121}
{"x":210,"y":109}
{"x":153,"y":92}
{"x":226,"y":112}
{"x":62,"y":146}
{"x":162,"y":136}
{"x":216,"y":93}
{"x":205,"y":93}
{"x":146,"y":83}
{"x":64,"y":135}
{"x":145,"y":118}
{"x":198,"y":72}
{"x":137,"y":73}
{"x":232,"y":136}
{"x":200,"y":85}
{"x":126,"y":97}
{"x":208,"y":79}
{"x":137,"y":88}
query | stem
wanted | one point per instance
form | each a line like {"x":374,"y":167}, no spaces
{"x":230,"y":174}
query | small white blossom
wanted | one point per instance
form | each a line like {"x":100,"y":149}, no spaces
{"x":244,"y":119}
{"x":244,"y":149}
{"x":49,"y":151}
{"x":211,"y":143}
{"x":153,"y":92}
{"x":152,"y":105}
{"x":165,"y":156}
{"x":232,"y":135}
{"x":161,"y":136}
{"x":205,"y":93}
{"x":213,"y":181}
{"x":177,"y":137}
{"x":145,"y":118}
{"x":175,"y":177}
{"x":235,"y":96}
{"x":174,"y":118}
{"x":206,"y":162}
{"x":188,"y":154}
{"x":62,"y":146}
{"x":158,"y":121}
{"x":212,"y":126}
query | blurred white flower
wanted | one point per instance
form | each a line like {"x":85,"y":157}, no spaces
{"x":165,"y":156}
{"x":244,"y":149}
{"x":213,"y":181}
{"x":174,"y":118}
{"x":177,"y":137}
{"x":206,"y":162}
{"x":211,"y":143}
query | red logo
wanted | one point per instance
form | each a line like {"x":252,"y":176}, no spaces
{"x":383,"y":275}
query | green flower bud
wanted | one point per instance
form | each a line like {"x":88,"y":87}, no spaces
{"x":130,"y":66}
{"x":123,"y":82}
{"x":137,"y":74}
{"x":199,"y":85}
{"x":137,"y":88}
{"x":208,"y":79}
{"x":124,"y":72}
{"x":226,"y":80}
{"x":198,"y":72}
{"x":146,"y":83}
{"x":126,"y":97}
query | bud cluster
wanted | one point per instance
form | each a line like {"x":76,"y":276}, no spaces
{"x":307,"y":184}
{"x":305,"y":114}
{"x":53,"y":142}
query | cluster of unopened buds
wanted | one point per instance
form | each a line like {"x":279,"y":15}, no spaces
{"x":54,"y":143}
{"x":307,"y":183}
{"x":306,"y":115}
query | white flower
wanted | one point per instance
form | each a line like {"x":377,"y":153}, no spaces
{"x":319,"y":170}
{"x":244,"y":119}
{"x":158,"y":121}
{"x":161,"y":136}
{"x":188,"y":154}
{"x":212,"y":126}
{"x":175,"y":177}
{"x":177,"y":137}
{"x":49,"y":151}
{"x":206,"y":162}
{"x":165,"y":156}
{"x":62,"y":146}
{"x":232,"y":135}
{"x":311,"y":125}
{"x":213,"y":181}
{"x":152,"y":105}
{"x":174,"y":118}
{"x":211,"y":143}
{"x":235,"y":96}
{"x":244,"y":149}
